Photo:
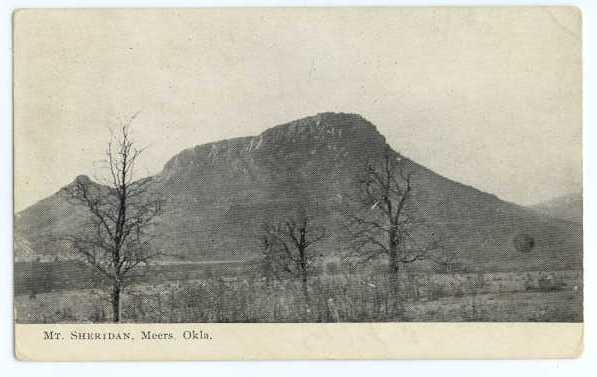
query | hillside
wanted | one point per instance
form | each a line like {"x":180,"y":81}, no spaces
{"x":219,"y":194}
{"x":567,"y":207}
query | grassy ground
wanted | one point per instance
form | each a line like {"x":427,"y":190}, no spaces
{"x":346,"y":297}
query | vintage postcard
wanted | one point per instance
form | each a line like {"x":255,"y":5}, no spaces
{"x":298,"y":183}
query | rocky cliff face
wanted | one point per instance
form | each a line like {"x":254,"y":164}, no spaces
{"x":304,"y":136}
{"x":219,"y":194}
{"x":290,"y":157}
{"x":231,"y":187}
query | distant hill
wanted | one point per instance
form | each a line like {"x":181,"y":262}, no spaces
{"x":219,"y":194}
{"x":568,"y":207}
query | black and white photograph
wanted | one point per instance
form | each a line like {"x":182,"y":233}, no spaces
{"x":438,"y":193}
{"x":298,"y":166}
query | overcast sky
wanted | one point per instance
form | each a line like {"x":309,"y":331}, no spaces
{"x":487,"y":97}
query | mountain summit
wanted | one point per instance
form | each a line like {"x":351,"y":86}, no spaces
{"x":305,"y":136}
{"x":219,"y":194}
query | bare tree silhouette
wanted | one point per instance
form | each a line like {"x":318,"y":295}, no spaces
{"x":288,"y":248}
{"x":379,"y":220}
{"x":116,"y":240}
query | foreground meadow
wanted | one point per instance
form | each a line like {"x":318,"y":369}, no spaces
{"x":332,"y":296}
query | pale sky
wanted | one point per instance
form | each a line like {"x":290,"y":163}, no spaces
{"x":487,"y":97}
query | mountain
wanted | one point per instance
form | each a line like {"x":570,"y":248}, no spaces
{"x":218,"y":195}
{"x":566,"y":207}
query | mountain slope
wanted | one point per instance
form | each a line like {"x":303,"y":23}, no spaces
{"x":219,"y":194}
{"x":567,"y":207}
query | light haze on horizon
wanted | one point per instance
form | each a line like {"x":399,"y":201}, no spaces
{"x":489,"y":97}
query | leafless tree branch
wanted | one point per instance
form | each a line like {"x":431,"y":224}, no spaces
{"x":117,"y":240}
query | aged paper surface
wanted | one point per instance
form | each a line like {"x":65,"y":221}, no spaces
{"x":308,"y":341}
{"x":298,"y":183}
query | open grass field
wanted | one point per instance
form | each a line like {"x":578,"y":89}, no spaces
{"x":237,"y":293}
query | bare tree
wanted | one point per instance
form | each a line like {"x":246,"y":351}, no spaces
{"x":381,"y":225}
{"x":288,"y":249}
{"x":117,"y":238}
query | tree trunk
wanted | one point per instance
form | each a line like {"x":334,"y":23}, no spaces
{"x":393,"y":247}
{"x":306,"y":294}
{"x":394,"y":266}
{"x":394,"y":281}
{"x":303,"y":272}
{"x":116,"y":303}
